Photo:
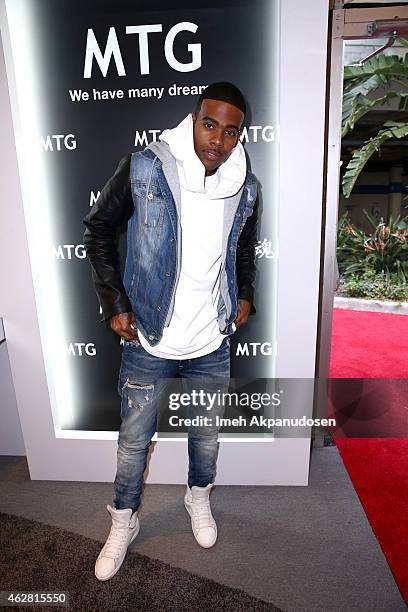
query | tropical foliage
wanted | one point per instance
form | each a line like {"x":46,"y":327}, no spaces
{"x":359,"y":87}
{"x":383,"y":251}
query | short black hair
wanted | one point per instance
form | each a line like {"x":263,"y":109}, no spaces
{"x":224,"y":91}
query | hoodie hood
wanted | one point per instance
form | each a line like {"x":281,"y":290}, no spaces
{"x":225,"y":182}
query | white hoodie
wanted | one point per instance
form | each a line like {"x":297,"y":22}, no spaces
{"x":193,"y":329}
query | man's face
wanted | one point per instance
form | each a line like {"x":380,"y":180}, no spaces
{"x":216,"y":132}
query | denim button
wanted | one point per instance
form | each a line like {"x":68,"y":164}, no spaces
{"x":150,"y":196}
{"x":151,"y":337}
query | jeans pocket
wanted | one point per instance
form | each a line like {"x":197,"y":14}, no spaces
{"x":131,"y":343}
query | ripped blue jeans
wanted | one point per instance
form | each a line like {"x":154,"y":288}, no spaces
{"x":143,"y":380}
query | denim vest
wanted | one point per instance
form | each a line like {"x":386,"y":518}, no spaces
{"x":153,"y":259}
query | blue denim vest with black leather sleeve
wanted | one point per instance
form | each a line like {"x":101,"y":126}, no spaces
{"x":153,"y":259}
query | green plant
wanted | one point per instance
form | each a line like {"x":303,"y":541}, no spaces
{"x":385,"y":250}
{"x":350,"y":247}
{"x":371,"y":285}
{"x":392,"y":129}
{"x":359,"y":81}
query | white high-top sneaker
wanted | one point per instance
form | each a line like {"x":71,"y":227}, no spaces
{"x":197,"y":503}
{"x":125,"y":528}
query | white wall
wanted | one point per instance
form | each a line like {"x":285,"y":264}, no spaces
{"x":11,"y":437}
{"x":302,"y":112}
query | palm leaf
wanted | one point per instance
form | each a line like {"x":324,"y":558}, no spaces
{"x":384,"y":66}
{"x":402,"y":41}
{"x":393,"y":129}
{"x":363,"y":88}
{"x":355,"y":107}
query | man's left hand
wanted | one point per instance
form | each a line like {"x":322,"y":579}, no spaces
{"x":244,"y":307}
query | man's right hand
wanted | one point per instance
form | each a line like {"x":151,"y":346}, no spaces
{"x":122,"y":324}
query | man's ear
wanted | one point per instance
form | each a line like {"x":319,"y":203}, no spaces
{"x":194,"y":116}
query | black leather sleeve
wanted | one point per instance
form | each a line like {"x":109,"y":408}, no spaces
{"x":113,"y":207}
{"x":245,"y":264}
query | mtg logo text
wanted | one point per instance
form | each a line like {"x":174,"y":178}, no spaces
{"x":80,"y":349}
{"x":251,"y":349}
{"x":112,"y":49}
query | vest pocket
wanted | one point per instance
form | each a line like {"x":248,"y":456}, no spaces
{"x":150,"y":203}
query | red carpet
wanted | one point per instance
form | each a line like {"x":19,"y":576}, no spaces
{"x":375,"y":345}
{"x":369,"y":345}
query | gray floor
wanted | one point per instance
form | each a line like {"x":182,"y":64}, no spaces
{"x":305,"y":549}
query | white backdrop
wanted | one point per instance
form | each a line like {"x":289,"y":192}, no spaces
{"x":92,"y":456}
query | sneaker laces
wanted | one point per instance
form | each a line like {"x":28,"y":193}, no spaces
{"x":115,"y":542}
{"x":202,"y":514}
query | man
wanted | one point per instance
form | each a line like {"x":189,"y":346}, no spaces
{"x":191,"y":207}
